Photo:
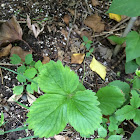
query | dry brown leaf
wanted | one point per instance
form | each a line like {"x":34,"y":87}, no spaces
{"x":34,"y":27}
{"x":66,"y":19}
{"x":71,"y":11}
{"x":95,"y":2}
{"x":94,"y":22}
{"x":10,"y":31}
{"x":59,"y":137}
{"x":20,"y":52}
{"x":14,"y":97}
{"x":31,"y":98}
{"x":77,"y":58}
{"x":5,"y":51}
{"x":45,"y":60}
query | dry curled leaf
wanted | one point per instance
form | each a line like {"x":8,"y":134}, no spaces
{"x":66,"y":19}
{"x":59,"y":137}
{"x":10,"y":31}
{"x":77,"y":58}
{"x":95,"y":2}
{"x":5,"y":51}
{"x":94,"y":22}
{"x":34,"y":27}
{"x":45,"y":60}
{"x":14,"y":97}
{"x":20,"y":52}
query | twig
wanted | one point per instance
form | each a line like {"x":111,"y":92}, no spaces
{"x":132,"y":124}
{"x":126,"y":31}
{"x":7,"y":64}
{"x":1,"y":76}
{"x":87,"y":6}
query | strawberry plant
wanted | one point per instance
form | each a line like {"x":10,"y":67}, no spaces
{"x":87,"y":43}
{"x":26,"y":74}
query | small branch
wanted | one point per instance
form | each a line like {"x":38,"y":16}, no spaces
{"x":126,"y":31}
{"x":132,"y":124}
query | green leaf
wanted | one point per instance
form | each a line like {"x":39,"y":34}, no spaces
{"x":34,"y":86}
{"x":83,"y":113}
{"x":85,"y":39}
{"x":88,"y":54}
{"x":21,"y":69}
{"x":132,"y":46}
{"x":30,"y":73}
{"x":122,"y":86}
{"x":48,"y":115}
{"x":29,"y":89}
{"x":38,"y":65}
{"x":137,"y":117}
{"x":88,"y":46}
{"x":138,"y":60}
{"x":110,"y":98}
{"x":63,"y":103}
{"x":136,"y":134}
{"x":136,"y":83}
{"x":118,"y":40}
{"x":113,"y":124}
{"x":15,"y":59}
{"x":89,"y":41}
{"x":18,"y":90}
{"x":115,"y":137}
{"x":21,"y":78}
{"x":54,"y":78}
{"x":2,"y":119}
{"x":131,"y":66}
{"x":127,"y":112}
{"x":28,"y":58}
{"x":91,"y":50}
{"x":102,"y":132}
{"x":135,"y":101}
{"x":120,"y":131}
{"x":125,"y":7}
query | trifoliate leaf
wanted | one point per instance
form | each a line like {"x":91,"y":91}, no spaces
{"x":115,"y":137}
{"x":38,"y":65}
{"x":54,"y":78}
{"x":136,"y":134}
{"x":18,"y":90}
{"x":135,"y":101}
{"x":63,"y":103}
{"x":28,"y":58}
{"x":102,"y":132}
{"x":21,"y":78}
{"x":137,"y":117}
{"x":29,"y":89}
{"x":132,"y":46}
{"x":15,"y":59}
{"x":21,"y":69}
{"x":98,"y":68}
{"x":83,"y":113}
{"x":110,"y":98}
{"x":117,"y":40}
{"x":113,"y":123}
{"x":127,"y":112}
{"x":30,"y":72}
{"x":115,"y":17}
{"x":48,"y":115}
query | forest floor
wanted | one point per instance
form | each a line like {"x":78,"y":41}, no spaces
{"x":60,"y":38}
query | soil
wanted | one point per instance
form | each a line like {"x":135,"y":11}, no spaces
{"x":52,"y":42}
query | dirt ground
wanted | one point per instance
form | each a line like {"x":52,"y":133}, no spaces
{"x":58,"y":41}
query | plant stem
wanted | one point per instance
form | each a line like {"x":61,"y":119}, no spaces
{"x":126,"y":31}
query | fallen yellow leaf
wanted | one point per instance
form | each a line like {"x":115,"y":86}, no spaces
{"x":77,"y":58}
{"x":116,"y":17}
{"x":98,"y":68}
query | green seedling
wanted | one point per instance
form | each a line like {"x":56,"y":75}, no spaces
{"x":87,"y":43}
{"x":26,"y":74}
{"x":2,"y":119}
